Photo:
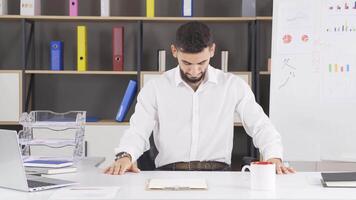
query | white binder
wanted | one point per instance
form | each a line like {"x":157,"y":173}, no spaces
{"x":161,"y":60}
{"x":3,"y":7}
{"x":187,"y":8}
{"x":224,"y":60}
{"x":105,"y":8}
{"x":248,"y":8}
{"x":30,"y":7}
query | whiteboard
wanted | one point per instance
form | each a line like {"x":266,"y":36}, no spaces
{"x":313,"y":78}
{"x":10,"y":96}
{"x":246,"y":76}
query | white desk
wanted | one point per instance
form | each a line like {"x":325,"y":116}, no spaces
{"x":222,"y":185}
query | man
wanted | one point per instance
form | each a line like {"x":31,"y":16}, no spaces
{"x":191,"y":112}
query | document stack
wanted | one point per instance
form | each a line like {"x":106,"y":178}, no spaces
{"x":52,"y":139}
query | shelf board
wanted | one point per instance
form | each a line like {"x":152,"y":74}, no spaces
{"x":81,"y":72}
{"x":9,"y":123}
{"x":238,"y":124}
{"x":264,"y":18}
{"x":107,"y":123}
{"x":223,"y":19}
{"x":265,"y":72}
{"x":125,"y":18}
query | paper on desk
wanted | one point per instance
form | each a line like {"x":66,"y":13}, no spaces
{"x":177,"y":184}
{"x":85,"y":193}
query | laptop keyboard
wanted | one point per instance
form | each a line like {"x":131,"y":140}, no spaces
{"x":35,"y":184}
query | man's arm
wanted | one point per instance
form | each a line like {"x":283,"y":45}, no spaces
{"x":136,"y":139}
{"x":262,"y":131}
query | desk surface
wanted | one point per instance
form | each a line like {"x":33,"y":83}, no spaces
{"x":222,"y":185}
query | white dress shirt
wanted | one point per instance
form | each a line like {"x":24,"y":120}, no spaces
{"x":197,"y":125}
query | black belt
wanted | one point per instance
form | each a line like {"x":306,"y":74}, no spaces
{"x":196,"y":166}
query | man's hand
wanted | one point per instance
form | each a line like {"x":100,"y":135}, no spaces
{"x":280,"y":168}
{"x":121,"y":166}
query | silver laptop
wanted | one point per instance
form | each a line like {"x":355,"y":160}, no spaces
{"x":12,"y":171}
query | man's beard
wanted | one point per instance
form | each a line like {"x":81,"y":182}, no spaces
{"x":191,"y":80}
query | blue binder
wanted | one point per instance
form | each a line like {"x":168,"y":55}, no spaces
{"x":127,"y":100}
{"x":56,"y":55}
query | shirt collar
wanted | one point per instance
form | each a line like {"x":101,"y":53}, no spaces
{"x":211,"y":76}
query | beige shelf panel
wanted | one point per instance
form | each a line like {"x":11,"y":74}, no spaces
{"x":238,"y":124}
{"x":81,"y":72}
{"x":9,"y":123}
{"x":267,"y":18}
{"x":265,"y":72}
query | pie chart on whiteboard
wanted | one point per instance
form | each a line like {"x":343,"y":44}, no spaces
{"x":287,"y":39}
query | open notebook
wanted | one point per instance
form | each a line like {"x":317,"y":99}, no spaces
{"x":177,"y":184}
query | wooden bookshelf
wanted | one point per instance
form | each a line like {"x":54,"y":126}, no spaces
{"x":81,"y":72}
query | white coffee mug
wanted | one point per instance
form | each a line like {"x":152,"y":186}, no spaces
{"x":262,"y":175}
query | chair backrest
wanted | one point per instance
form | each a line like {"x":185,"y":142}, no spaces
{"x":146,"y":161}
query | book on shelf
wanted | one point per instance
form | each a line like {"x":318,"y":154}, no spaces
{"x":339,"y":179}
{"x":187,"y":8}
{"x":269,"y":65}
{"x":118,"y":48}
{"x":224,"y":60}
{"x":47,"y":163}
{"x":161,"y":60}
{"x":49,"y":171}
{"x":105,"y":8}
{"x":73,"y":7}
{"x":30,"y":7}
{"x":150,"y":8}
{"x":92,"y":119}
{"x":56,"y":55}
{"x":82,"y":48}
{"x":248,"y":8}
{"x":3,"y":7}
{"x":127,"y":100}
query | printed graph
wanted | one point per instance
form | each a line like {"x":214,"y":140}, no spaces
{"x":341,"y":28}
{"x":339,"y":68}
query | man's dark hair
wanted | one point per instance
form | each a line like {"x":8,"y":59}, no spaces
{"x":193,"y":37}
